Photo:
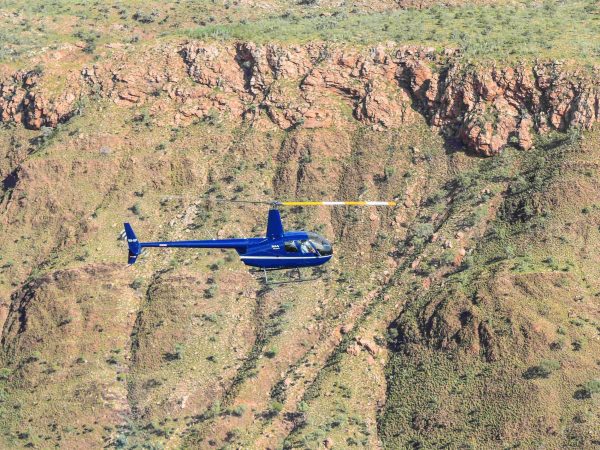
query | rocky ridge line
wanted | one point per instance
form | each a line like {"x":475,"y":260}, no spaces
{"x":303,"y":86}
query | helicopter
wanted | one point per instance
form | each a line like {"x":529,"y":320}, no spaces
{"x":278,"y":250}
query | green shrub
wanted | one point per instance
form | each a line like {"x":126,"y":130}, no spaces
{"x":423,"y":230}
{"x":176,"y":354}
{"x":302,"y":406}
{"x":587,"y":390}
{"x":179,"y":351}
{"x":210,"y":291}
{"x":388,"y":172}
{"x":448,"y":258}
{"x":214,"y":410}
{"x":578,"y":344}
{"x":137,"y":283}
{"x":276,"y":408}
{"x":137,"y":209}
{"x":34,"y":357}
{"x":238,"y":411}
{"x":559,"y":344}
{"x":543,"y":370}
{"x":271,"y":353}
{"x":143,"y":17}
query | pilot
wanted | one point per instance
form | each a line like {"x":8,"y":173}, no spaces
{"x":306,"y":247}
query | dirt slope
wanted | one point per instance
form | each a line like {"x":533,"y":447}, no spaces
{"x":467,"y":315}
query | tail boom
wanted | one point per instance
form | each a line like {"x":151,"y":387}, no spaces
{"x":237,"y":244}
{"x":135,"y":246}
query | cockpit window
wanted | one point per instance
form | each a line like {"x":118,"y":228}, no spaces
{"x":306,"y":247}
{"x":291,"y":247}
{"x":321,"y":244}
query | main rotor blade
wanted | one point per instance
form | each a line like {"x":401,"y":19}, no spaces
{"x":224,"y":200}
{"x":278,"y":203}
{"x":216,"y":200}
{"x":359,"y":203}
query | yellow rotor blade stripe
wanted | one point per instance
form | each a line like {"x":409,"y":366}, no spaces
{"x":337,"y":203}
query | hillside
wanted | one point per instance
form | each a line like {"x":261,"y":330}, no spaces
{"x":466,"y":317}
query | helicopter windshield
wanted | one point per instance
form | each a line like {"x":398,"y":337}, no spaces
{"x":321,"y":244}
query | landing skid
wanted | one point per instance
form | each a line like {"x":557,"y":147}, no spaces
{"x":291,"y":273}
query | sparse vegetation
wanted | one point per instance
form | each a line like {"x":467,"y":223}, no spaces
{"x":486,"y":31}
{"x":515,"y":248}
{"x":489,"y":30}
{"x":487,"y":269}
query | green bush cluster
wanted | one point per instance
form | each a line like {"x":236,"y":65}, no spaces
{"x":587,"y":390}
{"x":542,"y":370}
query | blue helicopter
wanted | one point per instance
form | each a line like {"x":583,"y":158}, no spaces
{"x":278,"y":250}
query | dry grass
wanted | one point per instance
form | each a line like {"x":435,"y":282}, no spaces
{"x":525,"y":29}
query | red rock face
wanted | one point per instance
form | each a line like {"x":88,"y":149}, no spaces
{"x":22,"y":101}
{"x":485,"y":107}
{"x":303,"y":85}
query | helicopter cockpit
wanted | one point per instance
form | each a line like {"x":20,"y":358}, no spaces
{"x":314,"y":245}
{"x":322,"y":245}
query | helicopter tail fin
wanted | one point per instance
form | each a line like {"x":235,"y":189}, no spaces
{"x":274,"y":225}
{"x":133,"y":244}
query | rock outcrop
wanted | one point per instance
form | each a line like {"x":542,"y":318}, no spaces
{"x":303,"y":85}
{"x":22,"y":101}
{"x":486,"y":107}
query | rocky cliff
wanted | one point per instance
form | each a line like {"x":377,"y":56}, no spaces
{"x":485,"y":107}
